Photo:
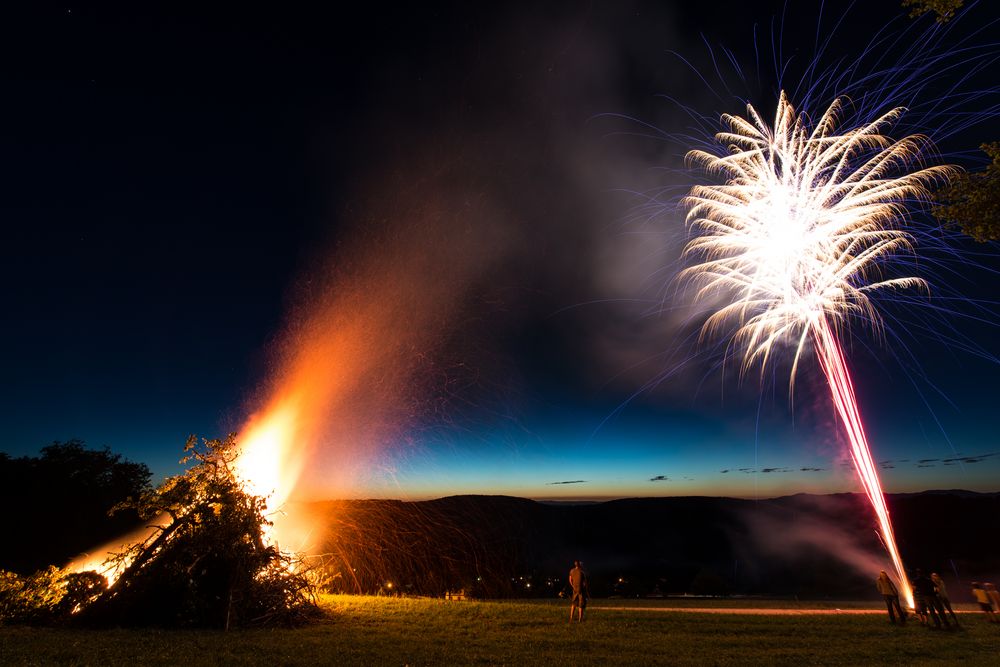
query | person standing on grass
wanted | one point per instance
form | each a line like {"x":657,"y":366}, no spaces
{"x":983,"y":598}
{"x":891,"y":596}
{"x":923,"y":590}
{"x":581,"y":591}
{"x":942,"y":593}
{"x":994,"y":596}
{"x":919,"y":604}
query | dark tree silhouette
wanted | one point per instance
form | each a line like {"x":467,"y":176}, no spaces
{"x":971,"y":200}
{"x":944,"y":9}
{"x":57,"y":504}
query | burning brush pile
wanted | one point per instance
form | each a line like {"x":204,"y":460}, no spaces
{"x":205,"y":562}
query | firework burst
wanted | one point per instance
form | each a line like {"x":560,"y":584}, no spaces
{"x":802,"y":231}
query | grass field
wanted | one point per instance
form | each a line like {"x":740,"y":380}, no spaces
{"x":400,"y":631}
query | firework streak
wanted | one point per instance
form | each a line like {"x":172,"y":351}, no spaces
{"x":801,"y":232}
{"x":831,"y":358}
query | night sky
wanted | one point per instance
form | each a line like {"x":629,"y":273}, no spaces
{"x":179,"y":186}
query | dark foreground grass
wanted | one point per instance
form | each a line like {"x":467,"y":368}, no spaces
{"x":395,"y":631}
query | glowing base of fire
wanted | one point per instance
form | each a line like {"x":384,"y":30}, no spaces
{"x":269,"y":466}
{"x":101,"y":559}
{"x":266,"y":454}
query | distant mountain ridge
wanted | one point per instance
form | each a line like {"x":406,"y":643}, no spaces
{"x":803,"y":544}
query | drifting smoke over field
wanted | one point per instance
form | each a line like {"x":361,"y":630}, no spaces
{"x":827,"y":529}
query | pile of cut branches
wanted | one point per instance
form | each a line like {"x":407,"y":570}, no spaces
{"x":206,"y":564}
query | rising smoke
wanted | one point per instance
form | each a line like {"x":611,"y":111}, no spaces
{"x":488,"y":244}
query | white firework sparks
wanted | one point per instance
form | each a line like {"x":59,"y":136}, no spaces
{"x":801,"y":227}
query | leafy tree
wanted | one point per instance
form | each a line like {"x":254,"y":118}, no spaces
{"x":971,"y":201}
{"x":208,"y":564}
{"x":945,"y":9}
{"x":61,"y":502}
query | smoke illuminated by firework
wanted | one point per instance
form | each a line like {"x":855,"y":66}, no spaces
{"x":797,"y":237}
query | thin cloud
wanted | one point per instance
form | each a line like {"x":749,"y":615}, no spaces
{"x":975,"y":458}
{"x":570,"y":481}
{"x":659,"y":478}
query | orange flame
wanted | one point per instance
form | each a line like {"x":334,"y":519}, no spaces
{"x":265,"y":464}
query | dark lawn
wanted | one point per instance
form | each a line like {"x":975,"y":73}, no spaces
{"x":397,"y":631}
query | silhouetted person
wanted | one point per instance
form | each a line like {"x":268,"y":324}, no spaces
{"x":919,"y":606}
{"x":942,"y":593}
{"x":578,"y":582}
{"x":891,"y":596}
{"x":923,"y":589}
{"x":994,"y":596}
{"x":983,"y":598}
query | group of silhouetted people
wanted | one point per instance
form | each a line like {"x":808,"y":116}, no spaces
{"x":930,"y":599}
{"x":931,"y":603}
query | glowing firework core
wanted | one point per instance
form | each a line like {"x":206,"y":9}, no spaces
{"x":795,"y":240}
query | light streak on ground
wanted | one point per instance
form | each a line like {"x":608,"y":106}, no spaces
{"x":803,"y":229}
{"x":746,"y":611}
{"x":758,"y":611}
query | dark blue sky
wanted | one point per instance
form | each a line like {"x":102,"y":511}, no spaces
{"x":175,"y":182}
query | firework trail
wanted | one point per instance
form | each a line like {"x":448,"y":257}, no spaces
{"x":796,"y":238}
